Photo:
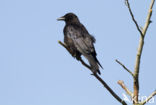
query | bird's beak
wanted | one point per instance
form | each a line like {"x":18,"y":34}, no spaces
{"x":61,"y":18}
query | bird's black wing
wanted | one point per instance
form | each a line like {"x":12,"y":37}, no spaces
{"x":81,"y":41}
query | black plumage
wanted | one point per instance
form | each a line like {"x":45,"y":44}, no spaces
{"x":79,"y":41}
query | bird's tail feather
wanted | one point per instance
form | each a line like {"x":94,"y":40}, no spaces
{"x":94,"y":64}
{"x":98,"y":62}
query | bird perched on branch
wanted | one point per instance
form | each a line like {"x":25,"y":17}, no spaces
{"x":79,"y":41}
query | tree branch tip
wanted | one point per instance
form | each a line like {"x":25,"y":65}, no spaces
{"x":117,"y":61}
{"x":59,"y":41}
{"x":126,"y":3}
{"x":120,"y":82}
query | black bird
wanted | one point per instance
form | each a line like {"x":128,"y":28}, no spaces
{"x":79,"y":41}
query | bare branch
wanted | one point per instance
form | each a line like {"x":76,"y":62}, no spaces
{"x":131,"y":13}
{"x":121,"y":83}
{"x":139,"y":53}
{"x":110,"y":90}
{"x":152,"y":95}
{"x":97,"y":77}
{"x":124,"y":67}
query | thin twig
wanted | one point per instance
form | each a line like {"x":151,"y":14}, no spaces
{"x":97,"y":77}
{"x":151,"y":96}
{"x":121,"y":83}
{"x":124,"y":67}
{"x":148,"y":19}
{"x":131,"y":13}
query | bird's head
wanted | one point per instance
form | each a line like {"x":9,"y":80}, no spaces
{"x":69,"y":18}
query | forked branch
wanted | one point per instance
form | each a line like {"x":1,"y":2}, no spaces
{"x":140,"y":47}
{"x":134,"y":20}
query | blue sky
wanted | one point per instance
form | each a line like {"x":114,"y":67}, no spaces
{"x":36,"y":70}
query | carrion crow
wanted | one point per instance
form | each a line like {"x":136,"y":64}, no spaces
{"x":79,"y":41}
